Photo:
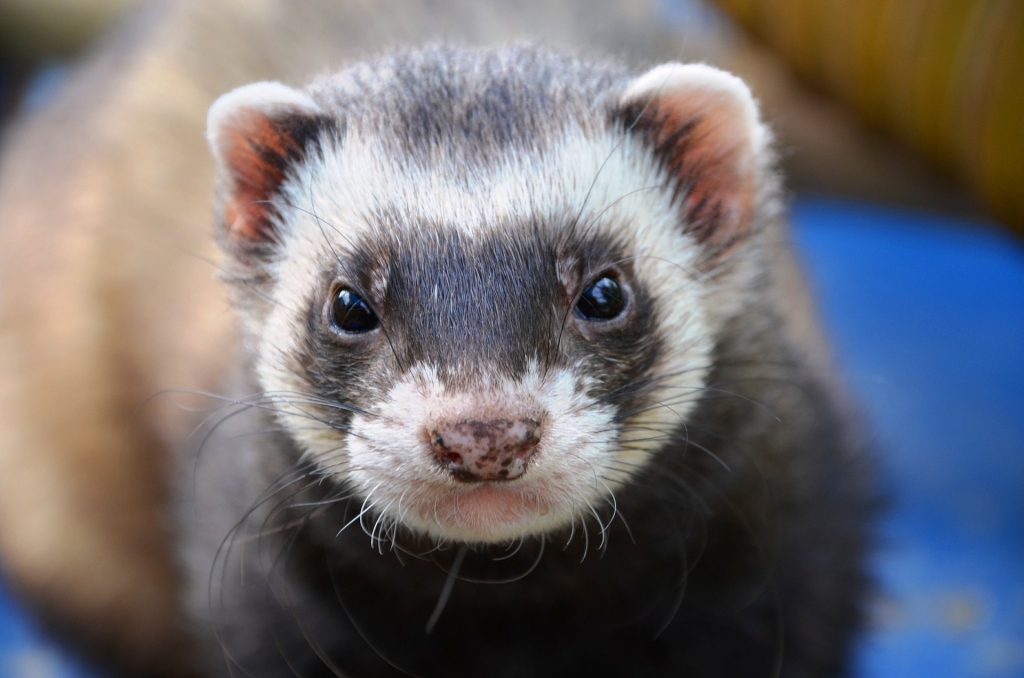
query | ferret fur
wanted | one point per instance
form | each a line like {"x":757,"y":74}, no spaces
{"x":107,"y":299}
{"x":698,"y":504}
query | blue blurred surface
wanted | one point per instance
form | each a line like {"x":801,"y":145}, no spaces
{"x":25,"y":652}
{"x":927,"y":316}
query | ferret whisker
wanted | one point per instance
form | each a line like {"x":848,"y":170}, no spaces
{"x":601,"y":526}
{"x":252,"y":399}
{"x":285,"y":429}
{"x":572,"y":531}
{"x":315,"y":506}
{"x":614,"y":503}
{"x":198,"y":456}
{"x":685,"y":439}
{"x":446,"y":590}
{"x":575,"y":222}
{"x":518,"y":546}
{"x":359,"y":629}
{"x":381,"y":516}
{"x":232,"y":278}
{"x":223,"y":551}
{"x":366,"y":506}
{"x":677,"y":602}
{"x":541,"y":541}
{"x":586,"y":536}
{"x":291,"y":607}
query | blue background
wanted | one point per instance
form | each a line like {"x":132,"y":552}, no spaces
{"x":927,"y":317}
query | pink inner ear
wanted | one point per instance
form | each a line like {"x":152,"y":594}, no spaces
{"x":257,"y":152}
{"x":706,"y":142}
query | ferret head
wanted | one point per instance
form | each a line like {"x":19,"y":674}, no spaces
{"x":482,"y":288}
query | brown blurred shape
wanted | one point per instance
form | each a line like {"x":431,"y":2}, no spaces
{"x":945,"y":76}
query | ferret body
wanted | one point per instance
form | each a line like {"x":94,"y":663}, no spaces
{"x":515,"y":397}
{"x":523,"y":381}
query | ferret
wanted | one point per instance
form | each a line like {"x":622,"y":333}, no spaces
{"x":515,"y":396}
{"x":518,"y":374}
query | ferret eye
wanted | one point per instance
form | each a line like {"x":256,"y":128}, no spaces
{"x":603,"y":300}
{"x":350,"y":313}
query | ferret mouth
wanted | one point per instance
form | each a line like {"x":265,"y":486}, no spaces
{"x":485,"y":512}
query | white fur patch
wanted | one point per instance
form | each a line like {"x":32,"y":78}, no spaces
{"x":388,"y":461}
{"x":699,"y":82}
{"x":583,"y":456}
{"x":265,"y":98}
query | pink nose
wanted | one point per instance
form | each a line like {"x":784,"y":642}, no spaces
{"x":485,"y":450}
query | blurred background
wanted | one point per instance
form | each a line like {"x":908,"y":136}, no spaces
{"x":901,"y":130}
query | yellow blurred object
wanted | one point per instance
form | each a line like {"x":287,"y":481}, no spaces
{"x":946,"y":76}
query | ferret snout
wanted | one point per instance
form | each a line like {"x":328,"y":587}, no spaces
{"x":485,"y":450}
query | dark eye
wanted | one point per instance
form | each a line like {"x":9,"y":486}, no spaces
{"x":350,"y":313}
{"x":603,"y":300}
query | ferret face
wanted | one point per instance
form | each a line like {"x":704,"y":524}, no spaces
{"x":482,"y":284}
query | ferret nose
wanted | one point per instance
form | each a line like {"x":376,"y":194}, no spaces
{"x":485,"y":450}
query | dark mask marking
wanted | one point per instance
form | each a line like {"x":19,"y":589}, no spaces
{"x":472,"y":306}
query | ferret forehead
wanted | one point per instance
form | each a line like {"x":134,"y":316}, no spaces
{"x":583,"y":181}
{"x":467,"y":104}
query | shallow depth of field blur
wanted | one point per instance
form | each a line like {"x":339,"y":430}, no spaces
{"x":901,"y":129}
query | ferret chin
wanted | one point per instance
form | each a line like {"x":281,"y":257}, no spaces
{"x":505,"y":309}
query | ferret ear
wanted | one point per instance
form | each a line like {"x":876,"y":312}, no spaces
{"x":702,"y":124}
{"x":258,"y":133}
